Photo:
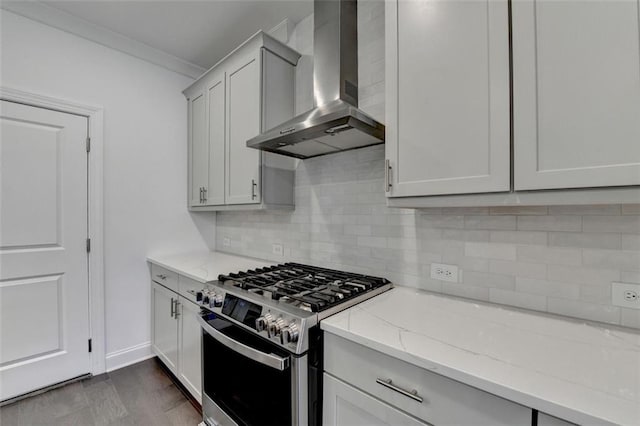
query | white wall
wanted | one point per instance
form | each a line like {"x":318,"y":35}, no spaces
{"x":145,"y":156}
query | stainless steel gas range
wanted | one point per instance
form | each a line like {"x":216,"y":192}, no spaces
{"x":262,"y":344}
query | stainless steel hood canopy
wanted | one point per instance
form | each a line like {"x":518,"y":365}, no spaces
{"x":336,"y":123}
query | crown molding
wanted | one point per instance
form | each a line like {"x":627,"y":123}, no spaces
{"x":72,"y":24}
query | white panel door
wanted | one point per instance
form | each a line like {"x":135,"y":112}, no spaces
{"x":198,"y":149}
{"x":164,"y":336}
{"x":216,"y":128}
{"x":243,"y":123}
{"x":190,"y":362}
{"x":576,"y":74}
{"x":345,"y":405}
{"x":44,"y":311}
{"x":447,"y":97}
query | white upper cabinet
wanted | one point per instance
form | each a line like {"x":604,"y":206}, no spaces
{"x":447,"y":103}
{"x":576,"y":74}
{"x":249,"y":91}
{"x":214,"y":195}
{"x":243,"y":94}
{"x":199,"y":148}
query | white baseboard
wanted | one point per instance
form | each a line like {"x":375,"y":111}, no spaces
{"x":128,"y":356}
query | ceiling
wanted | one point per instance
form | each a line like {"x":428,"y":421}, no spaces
{"x":198,"y":32}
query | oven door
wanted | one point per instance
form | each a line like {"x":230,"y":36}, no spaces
{"x":248,"y":379}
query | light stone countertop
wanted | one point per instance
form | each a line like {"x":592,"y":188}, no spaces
{"x":579,"y":372}
{"x":204,"y":266}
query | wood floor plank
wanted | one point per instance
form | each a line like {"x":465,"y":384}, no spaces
{"x":142,"y":394}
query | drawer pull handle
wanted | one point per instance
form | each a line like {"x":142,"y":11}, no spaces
{"x":161,"y":276}
{"x":413,"y":394}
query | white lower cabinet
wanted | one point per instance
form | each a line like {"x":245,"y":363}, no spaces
{"x":189,"y":348}
{"x":396,"y":392}
{"x":176,"y":336}
{"x":346,"y":405}
{"x":164,"y":337}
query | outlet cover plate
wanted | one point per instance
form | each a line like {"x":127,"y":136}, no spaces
{"x":226,"y":242}
{"x":443,"y":272}
{"x":277,"y":249}
{"x":626,"y":295}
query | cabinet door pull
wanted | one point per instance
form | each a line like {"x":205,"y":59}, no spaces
{"x":387,"y":383}
{"x":204,"y":195}
{"x":253,"y":189}
{"x":200,"y":195}
{"x":176,"y":312}
{"x":173,"y":312}
{"x":387,"y":176}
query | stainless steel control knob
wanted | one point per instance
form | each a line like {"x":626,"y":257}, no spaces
{"x":262,"y":323}
{"x":289,"y":334}
{"x":274,"y":328}
{"x":217,"y":300}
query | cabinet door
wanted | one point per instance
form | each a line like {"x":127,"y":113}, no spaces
{"x":576,"y":75}
{"x":164,"y":339}
{"x":345,"y":405}
{"x":243,"y":123}
{"x":214,"y":194}
{"x":190,"y":363}
{"x":198,"y":148}
{"x":447,"y":104}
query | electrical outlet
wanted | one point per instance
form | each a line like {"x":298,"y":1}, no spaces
{"x":277,"y":249}
{"x":226,"y":242}
{"x":625,"y":295}
{"x":442,"y":272}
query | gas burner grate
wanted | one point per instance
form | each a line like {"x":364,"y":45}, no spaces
{"x":310,"y":287}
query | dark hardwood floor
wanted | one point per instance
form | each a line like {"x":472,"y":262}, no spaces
{"x":142,"y":394}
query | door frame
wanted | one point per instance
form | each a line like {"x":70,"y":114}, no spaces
{"x":95,"y":203}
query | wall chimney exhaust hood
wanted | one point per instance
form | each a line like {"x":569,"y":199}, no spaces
{"x":335,"y":123}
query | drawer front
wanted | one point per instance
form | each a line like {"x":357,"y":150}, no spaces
{"x":188,"y":288}
{"x":444,"y":401}
{"x":164,"y":277}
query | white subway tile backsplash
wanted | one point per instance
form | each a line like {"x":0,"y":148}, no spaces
{"x":625,"y":224}
{"x":491,"y":250}
{"x":582,"y":275}
{"x":518,"y":237}
{"x":549,"y":255}
{"x":630,"y":277}
{"x":558,"y":259}
{"x":520,"y":300}
{"x":465,"y":290}
{"x":586,"y":240}
{"x":630,"y":317}
{"x":584,"y":310}
{"x":485,"y":279}
{"x":519,"y":210}
{"x":600,"y":294}
{"x":549,"y":223}
{"x":518,"y":269}
{"x":633,"y":209}
{"x":547,"y":288}
{"x":620,"y":259}
{"x":630,"y":241}
{"x":505,"y":223}
{"x":586,"y":210}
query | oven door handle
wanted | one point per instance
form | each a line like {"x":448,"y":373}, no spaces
{"x":269,"y":360}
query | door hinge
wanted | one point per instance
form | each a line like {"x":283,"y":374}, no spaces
{"x":88,"y":144}
{"x":89,"y":345}
{"x":88,"y":245}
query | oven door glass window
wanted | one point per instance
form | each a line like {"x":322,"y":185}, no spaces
{"x":248,"y":391}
